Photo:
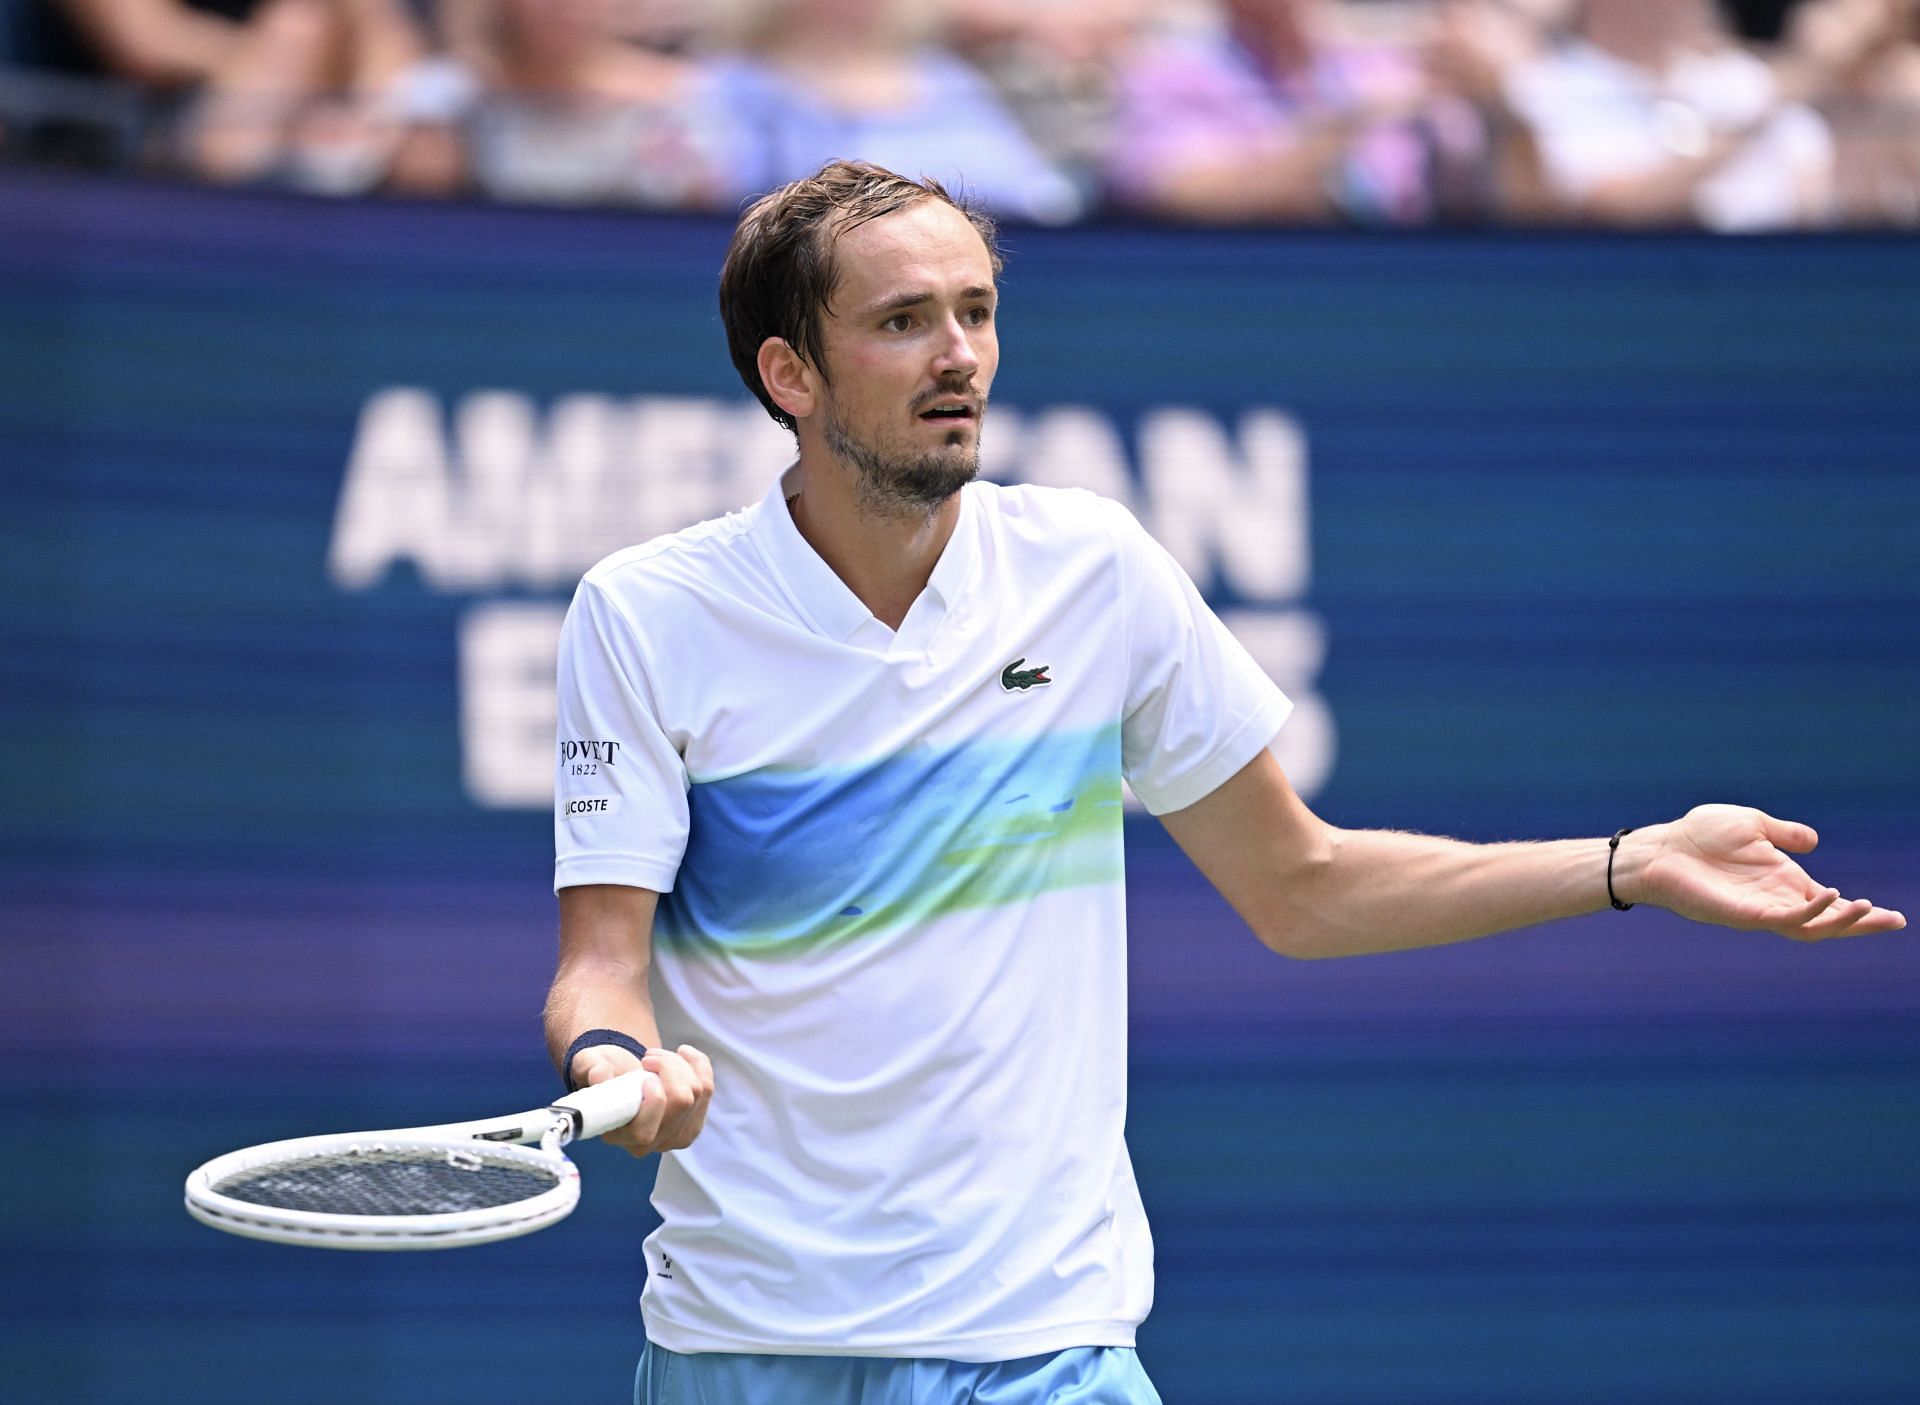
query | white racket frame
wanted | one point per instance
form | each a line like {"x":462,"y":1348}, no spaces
{"x":587,"y":1113}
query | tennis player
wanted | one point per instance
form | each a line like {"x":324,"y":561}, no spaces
{"x":839,"y":833}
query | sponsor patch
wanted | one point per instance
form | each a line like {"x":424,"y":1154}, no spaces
{"x":580,"y":806}
{"x":585,"y":758}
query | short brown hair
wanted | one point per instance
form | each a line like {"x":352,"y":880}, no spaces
{"x":780,"y":270}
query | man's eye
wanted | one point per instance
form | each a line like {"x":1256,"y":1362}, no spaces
{"x":979,"y":316}
{"x":898,"y":323}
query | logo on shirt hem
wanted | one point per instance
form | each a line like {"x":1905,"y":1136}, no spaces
{"x":590,"y":805}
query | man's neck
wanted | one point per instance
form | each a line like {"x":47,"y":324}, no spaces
{"x":885,"y":559}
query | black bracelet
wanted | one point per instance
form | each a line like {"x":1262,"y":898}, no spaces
{"x":1613,"y":847}
{"x":595,"y":1037}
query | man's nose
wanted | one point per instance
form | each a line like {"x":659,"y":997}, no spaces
{"x":957,"y":354}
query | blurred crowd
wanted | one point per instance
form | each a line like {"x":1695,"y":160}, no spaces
{"x":1767,"y":114}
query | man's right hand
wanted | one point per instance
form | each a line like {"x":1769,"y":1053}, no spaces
{"x":677,"y":1090}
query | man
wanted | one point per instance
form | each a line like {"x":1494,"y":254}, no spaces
{"x":839,"y":807}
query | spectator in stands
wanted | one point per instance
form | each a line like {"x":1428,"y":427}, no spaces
{"x":818,"y":79}
{"x":159,"y":43}
{"x":587,"y":102}
{"x":313,"y":93}
{"x":1647,"y":112}
{"x":1473,"y":47}
{"x":1861,"y":60}
{"x":1262,"y":110}
{"x":1052,"y":62}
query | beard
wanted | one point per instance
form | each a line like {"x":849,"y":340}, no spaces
{"x":897,"y":482}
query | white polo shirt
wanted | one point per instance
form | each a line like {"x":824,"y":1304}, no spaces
{"x":893,"y":910}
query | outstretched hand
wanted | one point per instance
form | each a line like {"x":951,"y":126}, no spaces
{"x":1729,"y":865}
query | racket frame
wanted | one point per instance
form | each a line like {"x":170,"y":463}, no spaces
{"x":589,"y":1112}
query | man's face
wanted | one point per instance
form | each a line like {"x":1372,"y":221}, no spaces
{"x":910,"y":349}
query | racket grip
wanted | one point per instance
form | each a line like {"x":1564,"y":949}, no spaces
{"x":604,"y":1106}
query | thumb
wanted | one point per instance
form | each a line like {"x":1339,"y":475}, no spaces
{"x":601,"y":1062}
{"x":599,"y":1071}
{"x":1790,"y":835}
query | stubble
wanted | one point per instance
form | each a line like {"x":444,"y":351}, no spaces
{"x":902,"y":484}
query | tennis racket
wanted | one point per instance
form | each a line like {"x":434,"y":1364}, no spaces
{"x":413,"y":1187}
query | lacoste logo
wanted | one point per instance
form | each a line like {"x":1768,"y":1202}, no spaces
{"x":1016,"y":679}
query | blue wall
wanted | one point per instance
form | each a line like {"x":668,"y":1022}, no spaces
{"x":1599,"y":527}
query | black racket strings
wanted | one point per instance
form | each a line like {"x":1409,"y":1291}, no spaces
{"x":378,"y":1181}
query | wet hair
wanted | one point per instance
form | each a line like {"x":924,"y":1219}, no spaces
{"x":780,"y":272}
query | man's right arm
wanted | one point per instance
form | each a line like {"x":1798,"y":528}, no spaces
{"x":606,"y":945}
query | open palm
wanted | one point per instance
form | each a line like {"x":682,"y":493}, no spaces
{"x":1729,"y":865}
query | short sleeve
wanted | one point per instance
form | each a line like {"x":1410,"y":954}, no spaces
{"x":620,"y":795}
{"x":1198,"y":707}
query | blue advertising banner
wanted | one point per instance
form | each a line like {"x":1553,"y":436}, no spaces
{"x":1545,"y":535}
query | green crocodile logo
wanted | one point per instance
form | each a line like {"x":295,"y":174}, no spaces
{"x":1016,"y":679}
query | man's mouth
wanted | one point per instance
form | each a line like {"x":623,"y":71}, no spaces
{"x":939,"y":413}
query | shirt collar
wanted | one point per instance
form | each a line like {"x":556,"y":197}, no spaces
{"x":954,"y":570}
{"x":823,"y":598}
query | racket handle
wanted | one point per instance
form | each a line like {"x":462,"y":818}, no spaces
{"x":604,"y":1106}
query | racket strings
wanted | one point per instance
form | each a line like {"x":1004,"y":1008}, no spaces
{"x":379,"y":1181}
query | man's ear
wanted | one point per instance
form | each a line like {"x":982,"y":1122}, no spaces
{"x":793,"y":384}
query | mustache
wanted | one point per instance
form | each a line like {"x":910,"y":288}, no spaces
{"x":927,"y":398}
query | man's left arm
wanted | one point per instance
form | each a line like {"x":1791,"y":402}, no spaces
{"x":1310,"y":889}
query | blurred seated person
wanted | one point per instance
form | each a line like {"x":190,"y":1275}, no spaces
{"x":313,"y":93}
{"x":587,"y":102}
{"x":817,"y":79}
{"x":1647,"y":112}
{"x":1263,"y":110}
{"x":1052,"y":62}
{"x":1859,"y":61}
{"x":1472,"y":48}
{"x":166,"y":44}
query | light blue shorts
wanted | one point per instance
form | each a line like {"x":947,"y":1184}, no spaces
{"x":1084,"y":1375}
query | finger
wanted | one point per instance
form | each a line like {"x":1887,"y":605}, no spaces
{"x":675,"y":1073}
{"x":1791,"y":835}
{"x":1837,"y":921}
{"x":599,"y":1062}
{"x":1795,"y":919}
{"x":1866,"y":922}
{"x":702,"y":1066}
{"x":638,"y":1136}
{"x":685,"y":1105}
